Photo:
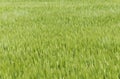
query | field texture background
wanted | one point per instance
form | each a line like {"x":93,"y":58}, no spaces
{"x":58,"y":39}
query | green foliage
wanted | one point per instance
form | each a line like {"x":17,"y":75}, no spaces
{"x":60,"y":40}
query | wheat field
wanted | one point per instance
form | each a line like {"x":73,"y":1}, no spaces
{"x":58,"y":39}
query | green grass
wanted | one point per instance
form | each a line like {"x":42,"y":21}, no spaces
{"x":60,"y":39}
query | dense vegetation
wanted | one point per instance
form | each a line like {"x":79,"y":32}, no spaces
{"x":60,"y":39}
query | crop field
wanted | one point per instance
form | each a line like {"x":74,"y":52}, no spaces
{"x":58,"y":39}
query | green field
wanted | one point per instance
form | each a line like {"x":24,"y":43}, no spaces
{"x":58,"y":39}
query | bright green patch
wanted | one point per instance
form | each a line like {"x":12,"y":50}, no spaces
{"x":60,"y":40}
